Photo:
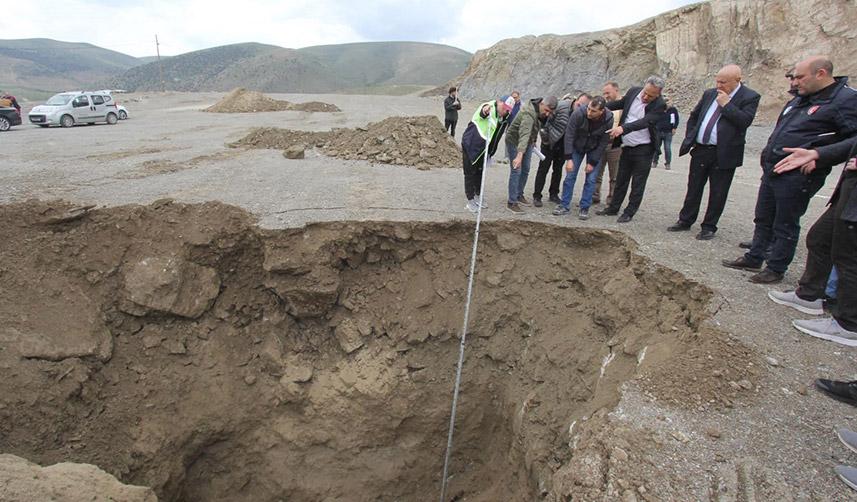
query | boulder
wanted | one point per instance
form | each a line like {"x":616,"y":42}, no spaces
{"x":170,"y":285}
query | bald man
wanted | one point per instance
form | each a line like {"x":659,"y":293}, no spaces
{"x":715,"y":136}
{"x":821,"y":119}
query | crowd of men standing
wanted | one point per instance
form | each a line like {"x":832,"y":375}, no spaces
{"x":623,"y":135}
{"x":815,"y":131}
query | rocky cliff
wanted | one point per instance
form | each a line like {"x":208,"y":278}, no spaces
{"x":686,"y":45}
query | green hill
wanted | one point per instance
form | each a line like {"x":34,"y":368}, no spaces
{"x":327,"y":68}
{"x":36,"y":66}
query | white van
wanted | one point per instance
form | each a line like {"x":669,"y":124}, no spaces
{"x":79,"y":107}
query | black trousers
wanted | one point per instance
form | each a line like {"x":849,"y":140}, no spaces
{"x":449,"y":125}
{"x":472,"y":177}
{"x":634,"y":167}
{"x":704,"y":169}
{"x":833,"y":241}
{"x":553,"y":157}
{"x":782,"y":201}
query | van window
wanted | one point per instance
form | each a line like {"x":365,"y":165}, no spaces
{"x":59,"y":100}
{"x":97,"y":100}
{"x":80,"y":101}
{"x":107,"y":99}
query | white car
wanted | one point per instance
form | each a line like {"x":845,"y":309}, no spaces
{"x":78,"y":107}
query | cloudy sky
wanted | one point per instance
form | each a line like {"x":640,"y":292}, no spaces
{"x":186,"y":25}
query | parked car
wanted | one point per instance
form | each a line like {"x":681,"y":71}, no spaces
{"x":9,"y":117}
{"x":78,"y":107}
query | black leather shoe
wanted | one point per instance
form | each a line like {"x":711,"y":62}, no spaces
{"x":745,"y":244}
{"x":623,"y":219}
{"x":845,"y":392}
{"x":537,"y":202}
{"x":742,"y":263}
{"x":678,"y":227}
{"x":606,"y":212}
{"x":555,"y":199}
{"x":705,"y":235}
{"x":767,"y":276}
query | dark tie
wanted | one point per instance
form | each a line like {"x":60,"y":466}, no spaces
{"x":706,"y":135}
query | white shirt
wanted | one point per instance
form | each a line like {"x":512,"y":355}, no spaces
{"x":636,"y":112}
{"x":713,"y":106}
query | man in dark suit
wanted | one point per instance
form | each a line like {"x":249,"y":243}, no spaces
{"x":715,"y":135}
{"x":638,"y":134}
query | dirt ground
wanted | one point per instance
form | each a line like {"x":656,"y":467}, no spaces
{"x":305,"y":329}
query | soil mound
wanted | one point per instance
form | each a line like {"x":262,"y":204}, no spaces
{"x":22,"y":481}
{"x":243,"y":101}
{"x":408,"y":141}
{"x":317,"y":363}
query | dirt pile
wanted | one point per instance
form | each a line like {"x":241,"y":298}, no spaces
{"x":229,"y":363}
{"x":243,"y":101}
{"x":408,"y":141}
{"x":22,"y":481}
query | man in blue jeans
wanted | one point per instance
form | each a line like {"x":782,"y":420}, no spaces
{"x":585,"y":137}
{"x":520,"y":140}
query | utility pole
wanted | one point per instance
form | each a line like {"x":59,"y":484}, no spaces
{"x":160,"y":66}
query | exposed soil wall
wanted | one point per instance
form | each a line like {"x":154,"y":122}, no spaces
{"x":182,"y":348}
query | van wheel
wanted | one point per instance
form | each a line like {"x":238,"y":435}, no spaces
{"x":122,"y":115}
{"x":67,"y":121}
{"x":4,"y":124}
{"x":112,"y":119}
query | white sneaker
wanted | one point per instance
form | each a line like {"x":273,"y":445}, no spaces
{"x":472,"y":206}
{"x":848,"y":438}
{"x":478,"y":200}
{"x":791,"y":299}
{"x":827,"y":329}
{"x":847,"y":474}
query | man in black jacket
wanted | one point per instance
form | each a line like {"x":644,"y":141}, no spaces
{"x":715,"y":136}
{"x":832,"y":241}
{"x":552,"y":136}
{"x":638,"y":134}
{"x":585,"y":138}
{"x":451,"y":105}
{"x":823,"y":114}
{"x":667,"y":126}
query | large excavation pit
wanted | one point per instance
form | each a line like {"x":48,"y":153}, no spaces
{"x":183,"y":348}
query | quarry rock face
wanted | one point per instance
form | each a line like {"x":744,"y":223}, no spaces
{"x":687,"y":46}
